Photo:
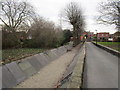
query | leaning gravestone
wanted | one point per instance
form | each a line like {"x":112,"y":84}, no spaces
{"x":8,"y":80}
{"x":27,"y":68}
{"x":16,"y":71}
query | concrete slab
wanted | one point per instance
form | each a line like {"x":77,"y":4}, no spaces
{"x":68,"y":47}
{"x":35,"y":63}
{"x":16,"y":72}
{"x":3,"y":85}
{"x":51,"y":55}
{"x":8,"y":79}
{"x":27,"y":68}
{"x":48,"y":58}
{"x":62,"y":50}
{"x":58,"y":52}
{"x":55,"y":51}
{"x":50,"y":74}
{"x":65,"y":50}
{"x":43,"y":59}
{"x":71,"y":67}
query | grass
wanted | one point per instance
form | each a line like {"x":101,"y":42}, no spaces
{"x":9,"y":55}
{"x":113,"y":45}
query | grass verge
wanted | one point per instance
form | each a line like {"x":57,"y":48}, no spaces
{"x":113,"y":45}
{"x":9,"y":55}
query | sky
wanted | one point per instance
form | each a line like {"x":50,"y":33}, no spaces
{"x":50,"y":9}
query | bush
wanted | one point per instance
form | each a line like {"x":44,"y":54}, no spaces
{"x":67,"y":36}
{"x":45,"y":34}
{"x":9,"y":40}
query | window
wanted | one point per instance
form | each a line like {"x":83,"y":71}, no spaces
{"x":102,"y":34}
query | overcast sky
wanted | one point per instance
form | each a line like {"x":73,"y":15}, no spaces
{"x":50,"y":9}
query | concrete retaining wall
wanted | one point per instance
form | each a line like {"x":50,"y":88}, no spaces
{"x":75,"y":80}
{"x":18,"y":71}
{"x":110,"y":50}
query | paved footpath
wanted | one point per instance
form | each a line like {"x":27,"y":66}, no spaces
{"x":101,"y":68}
{"x":48,"y":76}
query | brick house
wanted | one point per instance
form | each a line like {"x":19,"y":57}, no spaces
{"x":83,"y":36}
{"x":103,"y":36}
{"x":116,"y":36}
{"x":87,"y":36}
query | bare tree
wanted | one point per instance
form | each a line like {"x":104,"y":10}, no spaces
{"x":74,"y":15}
{"x":110,"y":13}
{"x":44,"y":33}
{"x":13,"y":13}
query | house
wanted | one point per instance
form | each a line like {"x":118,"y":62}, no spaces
{"x":116,"y":36}
{"x":83,"y":36}
{"x":90,"y":36}
{"x":103,"y":36}
{"x":87,"y":36}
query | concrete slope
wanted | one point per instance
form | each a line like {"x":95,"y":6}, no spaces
{"x":101,"y":68}
{"x":49,"y":75}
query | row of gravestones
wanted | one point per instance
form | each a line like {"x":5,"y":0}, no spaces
{"x":18,"y":71}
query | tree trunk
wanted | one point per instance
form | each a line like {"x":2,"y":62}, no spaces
{"x":75,"y":36}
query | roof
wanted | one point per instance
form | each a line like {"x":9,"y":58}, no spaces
{"x":117,"y":33}
{"x":103,"y":33}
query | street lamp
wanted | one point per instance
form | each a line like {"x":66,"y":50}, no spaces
{"x":96,"y":36}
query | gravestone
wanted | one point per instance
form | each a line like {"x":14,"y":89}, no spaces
{"x":8,"y":79}
{"x":27,"y":68}
{"x":16,"y":71}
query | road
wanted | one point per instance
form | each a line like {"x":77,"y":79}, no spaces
{"x":101,"y":68}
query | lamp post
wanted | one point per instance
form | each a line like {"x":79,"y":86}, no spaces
{"x":96,"y":36}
